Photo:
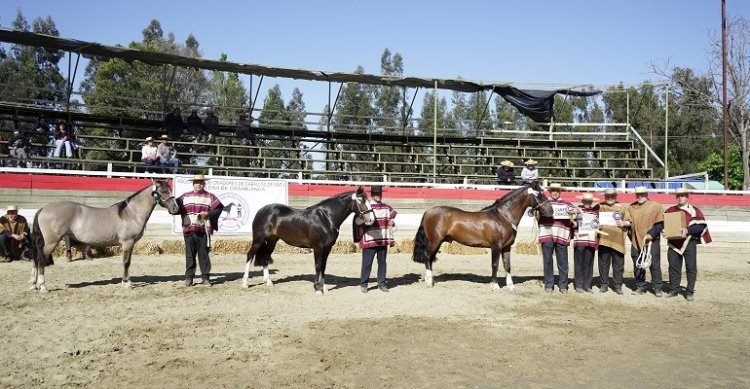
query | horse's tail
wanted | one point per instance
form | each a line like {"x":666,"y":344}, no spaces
{"x":263,"y":256}
{"x":37,"y":245}
{"x":420,"y":245}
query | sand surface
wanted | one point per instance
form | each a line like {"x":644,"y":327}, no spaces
{"x":89,"y":332}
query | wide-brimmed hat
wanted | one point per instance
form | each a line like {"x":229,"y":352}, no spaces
{"x":587,"y":197}
{"x":506,"y":163}
{"x":149,"y":139}
{"x":530,"y":162}
{"x":165,"y":137}
{"x":376,"y":190}
{"x":11,"y":208}
{"x":554,"y":186}
{"x":641,"y":190}
{"x":199,"y":177}
{"x":681,"y":191}
{"x":610,"y":192}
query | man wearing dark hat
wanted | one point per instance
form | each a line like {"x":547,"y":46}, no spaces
{"x":14,"y":235}
{"x":173,"y":124}
{"x":612,"y":243}
{"x":200,"y":211}
{"x":375,"y":239}
{"x":684,"y":248}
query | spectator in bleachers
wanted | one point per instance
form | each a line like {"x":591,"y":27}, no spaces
{"x":149,"y":153}
{"x":63,"y":138}
{"x":529,"y":173}
{"x":505,"y":173}
{"x":244,"y":131}
{"x":18,"y":148}
{"x":167,"y":156}
{"x":173,"y":124}
{"x":41,"y":126}
{"x":195,"y":125}
{"x":211,"y":125}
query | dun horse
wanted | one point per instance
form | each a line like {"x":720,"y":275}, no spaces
{"x":316,"y":227}
{"x":120,"y":224}
{"x":493,"y":227}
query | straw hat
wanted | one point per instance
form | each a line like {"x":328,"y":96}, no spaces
{"x":149,"y":139}
{"x":554,"y":186}
{"x":11,"y":208}
{"x":166,"y":137}
{"x":530,"y":162}
{"x":610,"y":192}
{"x":641,"y":190}
{"x":587,"y":197}
{"x":506,"y":163}
{"x":199,"y":177}
{"x":681,"y":191}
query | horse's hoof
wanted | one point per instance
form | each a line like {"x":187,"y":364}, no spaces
{"x":494,"y":287}
{"x":43,"y":288}
{"x":318,"y":292}
{"x":127,"y":285}
{"x":245,"y":284}
{"x":33,"y":287}
{"x":511,"y":288}
{"x":269,"y":282}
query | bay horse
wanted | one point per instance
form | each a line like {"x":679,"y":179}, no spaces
{"x":315,"y":227}
{"x":494,"y":227}
{"x":120,"y":224}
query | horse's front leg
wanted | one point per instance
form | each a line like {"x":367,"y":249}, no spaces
{"x":506,"y":265}
{"x":495,"y":253}
{"x":32,"y":280}
{"x":249,"y":261}
{"x":428,"y":280}
{"x":127,"y":252}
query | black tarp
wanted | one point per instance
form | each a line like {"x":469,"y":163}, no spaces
{"x":536,"y":104}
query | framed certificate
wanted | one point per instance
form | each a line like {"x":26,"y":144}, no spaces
{"x":609,"y":218}
{"x":561,"y":211}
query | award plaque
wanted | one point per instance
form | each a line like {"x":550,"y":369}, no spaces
{"x":588,"y":224}
{"x":561,"y":211}
{"x":609,"y":218}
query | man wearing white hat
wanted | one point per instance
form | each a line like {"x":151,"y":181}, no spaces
{"x":14,"y":235}
{"x":200,"y":211}
{"x":167,"y":155}
{"x":584,"y":245}
{"x":646,"y":222}
{"x":554,"y":236}
{"x":505,"y":173}
{"x":684,"y":248}
{"x":612,"y":243}
{"x":529,"y":173}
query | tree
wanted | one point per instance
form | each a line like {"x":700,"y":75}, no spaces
{"x":295,"y":110}
{"x":387,"y":98}
{"x":714,"y":166}
{"x":704,"y":92}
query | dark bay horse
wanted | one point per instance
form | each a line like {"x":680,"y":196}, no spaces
{"x":315,"y":227}
{"x":493,"y":227}
{"x":120,"y":224}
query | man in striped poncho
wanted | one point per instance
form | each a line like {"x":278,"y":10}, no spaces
{"x":375,"y":239}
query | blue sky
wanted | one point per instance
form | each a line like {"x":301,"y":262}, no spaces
{"x":543,"y":42}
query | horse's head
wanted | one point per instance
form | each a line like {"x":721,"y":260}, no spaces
{"x":161,"y":192}
{"x":361,"y":207}
{"x":539,"y":200}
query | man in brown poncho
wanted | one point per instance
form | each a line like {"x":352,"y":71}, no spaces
{"x":646,"y":221}
{"x":14,"y":235}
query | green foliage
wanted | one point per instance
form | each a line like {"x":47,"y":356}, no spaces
{"x":714,"y":166}
{"x":388,"y":98}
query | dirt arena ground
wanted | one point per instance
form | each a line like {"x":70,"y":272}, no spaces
{"x":88,"y":332}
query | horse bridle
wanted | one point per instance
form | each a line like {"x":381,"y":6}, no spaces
{"x":356,"y":206}
{"x":538,"y":204}
{"x":156,"y":195}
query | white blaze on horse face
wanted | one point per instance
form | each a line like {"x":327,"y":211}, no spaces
{"x":532,"y":192}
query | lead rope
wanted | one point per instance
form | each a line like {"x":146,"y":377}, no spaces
{"x":644,"y":258}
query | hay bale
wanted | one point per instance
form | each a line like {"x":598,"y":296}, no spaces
{"x":529,"y":248}
{"x":404,"y":246}
{"x":173,"y":246}
{"x":230,"y":246}
{"x":457,"y":248}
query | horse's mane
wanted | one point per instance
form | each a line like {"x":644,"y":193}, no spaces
{"x":337,"y":198}
{"x":124,"y":203}
{"x":507,"y":197}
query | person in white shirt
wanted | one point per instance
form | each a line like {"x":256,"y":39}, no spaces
{"x":149,"y":153}
{"x":529,"y":173}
